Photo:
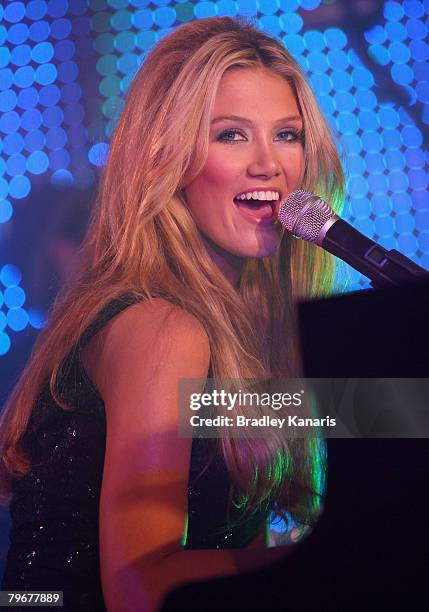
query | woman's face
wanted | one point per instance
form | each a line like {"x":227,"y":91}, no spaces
{"x":255,"y":158}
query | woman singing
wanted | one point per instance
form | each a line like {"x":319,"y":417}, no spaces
{"x":184,"y":274}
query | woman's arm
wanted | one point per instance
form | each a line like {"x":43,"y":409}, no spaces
{"x":136,"y":364}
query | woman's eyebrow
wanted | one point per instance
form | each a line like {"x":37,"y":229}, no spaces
{"x":249,"y":122}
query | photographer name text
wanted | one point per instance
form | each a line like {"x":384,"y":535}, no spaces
{"x":264,"y":421}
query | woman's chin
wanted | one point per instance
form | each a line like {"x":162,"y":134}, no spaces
{"x":263,"y":248}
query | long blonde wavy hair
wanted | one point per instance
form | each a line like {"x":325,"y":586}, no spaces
{"x":143,"y":241}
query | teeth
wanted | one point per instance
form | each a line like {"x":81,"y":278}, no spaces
{"x":259,"y":195}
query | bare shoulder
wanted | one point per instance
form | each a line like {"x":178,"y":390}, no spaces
{"x":149,"y":315}
{"x":154,"y":336}
{"x":157,"y":321}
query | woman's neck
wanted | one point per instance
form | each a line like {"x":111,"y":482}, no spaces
{"x":230,"y":265}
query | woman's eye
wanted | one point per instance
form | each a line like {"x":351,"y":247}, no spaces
{"x":290,"y":135}
{"x":287,"y":135}
{"x":229,"y":136}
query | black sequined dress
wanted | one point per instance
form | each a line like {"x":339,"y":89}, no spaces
{"x":55,"y":507}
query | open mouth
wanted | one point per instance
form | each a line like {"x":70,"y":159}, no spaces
{"x":259,"y":210}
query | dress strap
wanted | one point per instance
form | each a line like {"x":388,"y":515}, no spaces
{"x":73,"y":381}
{"x":105,"y":315}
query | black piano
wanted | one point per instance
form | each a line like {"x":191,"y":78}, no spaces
{"x":370,"y":549}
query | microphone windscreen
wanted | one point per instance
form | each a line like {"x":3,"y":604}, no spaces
{"x":304,"y":215}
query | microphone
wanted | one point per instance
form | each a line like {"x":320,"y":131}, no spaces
{"x":309,"y":217}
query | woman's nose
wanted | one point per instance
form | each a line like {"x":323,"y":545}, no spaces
{"x":263,"y":161}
